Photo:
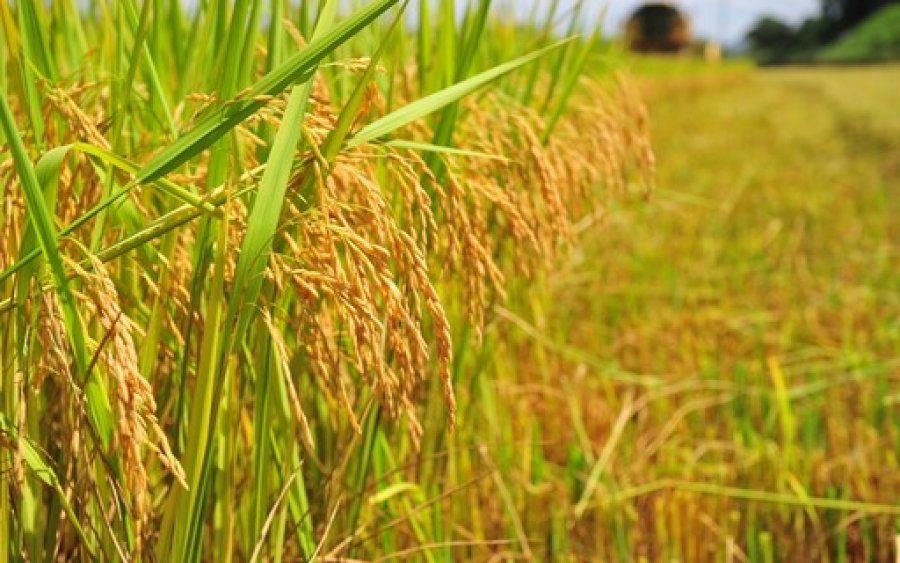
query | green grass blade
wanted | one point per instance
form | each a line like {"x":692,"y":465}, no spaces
{"x":157,"y":89}
{"x":263,"y":219}
{"x":34,"y":40}
{"x":434,"y":102}
{"x":425,"y":45}
{"x":35,"y":462}
{"x":298,"y":68}
{"x":472,"y":37}
{"x":338,"y":135}
{"x":98,"y":407}
{"x":30,"y":49}
{"x":201,"y":205}
{"x":570,"y":81}
{"x":428,"y":147}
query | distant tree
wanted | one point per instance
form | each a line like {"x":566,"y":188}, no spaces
{"x":770,"y":34}
{"x":773,"y":41}
{"x":844,"y":14}
{"x":811,"y":34}
{"x":658,"y":28}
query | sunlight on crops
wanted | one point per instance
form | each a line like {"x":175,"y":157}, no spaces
{"x":359,"y":285}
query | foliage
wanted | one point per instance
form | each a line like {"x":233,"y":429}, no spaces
{"x":738,"y":333}
{"x":366,"y":287}
{"x":848,"y":13}
{"x":657,"y":28}
{"x":248,"y":251}
{"x":772,"y":41}
{"x":876,"y":39}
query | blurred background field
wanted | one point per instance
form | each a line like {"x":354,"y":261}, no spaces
{"x":757,"y":292}
{"x":840,"y":32}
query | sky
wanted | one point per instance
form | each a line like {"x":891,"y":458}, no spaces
{"x":726,"y":21}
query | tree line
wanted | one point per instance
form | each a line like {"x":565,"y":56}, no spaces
{"x":772,"y":40}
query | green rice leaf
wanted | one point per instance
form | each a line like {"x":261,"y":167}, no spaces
{"x":298,"y":68}
{"x":47,"y":171}
{"x":263,"y":219}
{"x":431,"y":103}
{"x":200,"y":205}
{"x":394,"y":490}
{"x":35,"y":462}
{"x":98,"y":407}
{"x":428,"y":147}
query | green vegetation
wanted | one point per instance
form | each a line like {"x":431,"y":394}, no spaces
{"x":876,"y":39}
{"x":341,"y":289}
{"x":846,"y":31}
{"x":757,"y":291}
{"x":243,"y":265}
{"x":679,"y":70}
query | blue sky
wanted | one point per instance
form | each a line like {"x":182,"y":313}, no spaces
{"x":724,"y":20}
{"x":728,"y":20}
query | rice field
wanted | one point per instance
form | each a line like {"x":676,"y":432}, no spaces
{"x":307,"y":281}
{"x":721,"y":361}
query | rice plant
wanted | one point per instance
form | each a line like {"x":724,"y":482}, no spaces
{"x":385,"y":279}
{"x":247,"y":254}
